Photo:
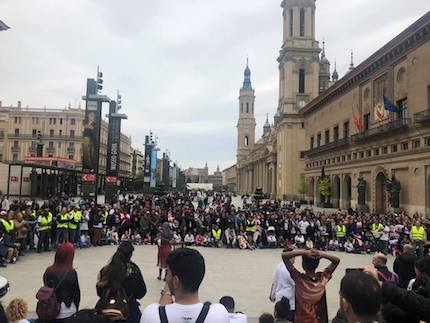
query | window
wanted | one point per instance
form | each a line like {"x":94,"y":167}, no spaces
{"x":343,"y":158}
{"x":72,"y":122}
{"x":15,"y":144}
{"x":302,"y":22}
{"x":246,"y":141}
{"x":417,"y":143}
{"x":16,"y":132}
{"x":366,"y":121}
{"x":427,"y":141}
{"x":393,"y":148}
{"x":70,"y":156}
{"x":346,"y":130}
{"x":51,"y":133}
{"x":403,"y":108}
{"x":15,"y":157}
{"x":348,"y":157}
{"x":247,"y":107}
{"x":50,"y":144}
{"x":303,"y":125}
{"x":318,"y":140}
{"x":405,"y":145}
{"x":1,"y":134}
{"x":241,"y":107}
{"x":361,"y":154}
{"x":376,"y":152}
{"x":71,"y":145}
{"x":72,"y":133}
{"x":327,"y":136}
{"x":54,"y":120}
{"x":60,"y":132}
{"x":16,"y":119}
{"x":50,"y":120}
{"x":302,"y":81}
{"x":34,"y":133}
{"x":336,"y":133}
{"x":50,"y":155}
{"x":354,"y":155}
{"x":61,"y":120}
{"x":385,"y":150}
{"x":302,"y":155}
{"x":338,"y":159}
{"x":368,"y":153}
{"x":291,"y":22}
{"x":312,"y":142}
{"x":1,"y":157}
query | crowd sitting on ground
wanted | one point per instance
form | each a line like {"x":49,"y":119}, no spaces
{"x":198,"y":219}
{"x":366,"y":294}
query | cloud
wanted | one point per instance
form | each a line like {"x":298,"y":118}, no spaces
{"x":178,"y":64}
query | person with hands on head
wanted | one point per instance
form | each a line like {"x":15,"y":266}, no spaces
{"x":311,"y":303}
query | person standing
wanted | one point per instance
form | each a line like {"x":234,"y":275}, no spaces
{"x":62,"y":277}
{"x":404,"y":265}
{"x":284,"y":286}
{"x":418,"y":236}
{"x":44,"y":222}
{"x":62,"y":230}
{"x":164,"y":248}
{"x":75,"y":218}
{"x":379,"y":261}
{"x":122,"y":274}
{"x":311,"y":303}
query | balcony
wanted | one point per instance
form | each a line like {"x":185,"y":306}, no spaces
{"x":44,"y":137}
{"x":422,"y":116}
{"x":332,"y":146}
{"x":382,"y":130}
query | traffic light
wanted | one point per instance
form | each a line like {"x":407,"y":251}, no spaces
{"x":118,"y":101}
{"x":99,"y":80}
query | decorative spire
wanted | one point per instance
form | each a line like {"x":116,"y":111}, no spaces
{"x":206,"y":165}
{"x":335,"y":76}
{"x":323,"y":50}
{"x":247,"y":77}
{"x":351,"y":66}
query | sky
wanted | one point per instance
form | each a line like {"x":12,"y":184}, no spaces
{"x":178,"y":64}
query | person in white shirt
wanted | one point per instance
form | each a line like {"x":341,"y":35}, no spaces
{"x":385,"y":237}
{"x":283,"y":286}
{"x":303,"y":225}
{"x":179,"y":300}
{"x":235,"y":317}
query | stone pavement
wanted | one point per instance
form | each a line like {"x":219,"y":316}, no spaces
{"x":245,"y":275}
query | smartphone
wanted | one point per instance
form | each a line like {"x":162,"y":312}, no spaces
{"x":348,"y":270}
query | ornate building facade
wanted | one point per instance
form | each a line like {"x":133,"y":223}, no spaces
{"x":373,"y":158}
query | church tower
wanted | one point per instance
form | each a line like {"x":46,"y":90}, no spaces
{"x":246,"y":123}
{"x":299,"y":57}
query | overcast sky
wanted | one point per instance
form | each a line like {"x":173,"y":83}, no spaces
{"x":178,"y":63}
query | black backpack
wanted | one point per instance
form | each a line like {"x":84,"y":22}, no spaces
{"x":200,"y":319}
{"x":114,"y":304}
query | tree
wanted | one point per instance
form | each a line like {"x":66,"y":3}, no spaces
{"x":324,"y":186}
{"x":302,"y":185}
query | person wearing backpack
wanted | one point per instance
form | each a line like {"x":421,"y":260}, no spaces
{"x":119,"y":287}
{"x":60,"y":297}
{"x":180,"y":296}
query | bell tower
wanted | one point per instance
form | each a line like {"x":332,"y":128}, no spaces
{"x":246,"y":123}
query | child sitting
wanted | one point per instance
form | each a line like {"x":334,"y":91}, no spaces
{"x":309,"y":243}
{"x":200,"y":240}
{"x":17,"y":311}
{"x":189,"y":239}
{"x":333,"y":244}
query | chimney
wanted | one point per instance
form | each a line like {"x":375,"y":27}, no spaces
{"x":19,"y":104}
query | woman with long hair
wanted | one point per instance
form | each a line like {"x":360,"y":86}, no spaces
{"x":62,"y":277}
{"x":164,"y":248}
{"x":121,"y":274}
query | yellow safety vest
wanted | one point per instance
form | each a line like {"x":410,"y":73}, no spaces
{"x":418,"y":234}
{"x":250,"y":226}
{"x":8,"y":226}
{"x":77,"y":216}
{"x":341,"y":231}
{"x":63,"y":225}
{"x":105,"y":216}
{"x":216,"y":234}
{"x":45,"y":222}
{"x":376,"y":229}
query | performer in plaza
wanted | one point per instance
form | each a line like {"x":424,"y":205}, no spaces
{"x":164,"y":248}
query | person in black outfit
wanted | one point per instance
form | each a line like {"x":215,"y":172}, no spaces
{"x":63,"y":278}
{"x":404,"y":265}
{"x":122,"y":273}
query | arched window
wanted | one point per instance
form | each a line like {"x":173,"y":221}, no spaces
{"x":302,"y":22}
{"x":301,"y":80}
{"x":246,"y":142}
{"x":247,"y":107}
{"x":291,"y":22}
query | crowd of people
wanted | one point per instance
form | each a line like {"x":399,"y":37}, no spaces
{"x":176,"y":221}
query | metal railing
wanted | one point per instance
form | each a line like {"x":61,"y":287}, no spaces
{"x":340,"y":143}
{"x":386,"y":128}
{"x":422,"y":116}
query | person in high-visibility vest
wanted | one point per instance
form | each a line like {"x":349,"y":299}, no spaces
{"x":250,"y":229}
{"x":341,"y":234}
{"x":7,"y":221}
{"x":377,"y":229}
{"x":44,"y":222}
{"x":62,"y":231}
{"x":216,"y":236}
{"x":75,"y":218}
{"x":418,"y":236}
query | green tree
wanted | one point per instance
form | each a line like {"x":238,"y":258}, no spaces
{"x":302,"y":186}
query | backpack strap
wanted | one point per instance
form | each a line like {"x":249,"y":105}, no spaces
{"x":163,"y":315}
{"x":204,"y":312}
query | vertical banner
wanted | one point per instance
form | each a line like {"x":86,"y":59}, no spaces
{"x":174,"y":173}
{"x":153,"y":168}
{"x":113,"y":151}
{"x":147,"y":161}
{"x":91,"y":136}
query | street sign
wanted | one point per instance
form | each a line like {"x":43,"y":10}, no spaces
{"x":111,"y":180}
{"x":85,"y":178}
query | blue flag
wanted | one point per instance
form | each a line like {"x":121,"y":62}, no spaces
{"x":390,"y":106}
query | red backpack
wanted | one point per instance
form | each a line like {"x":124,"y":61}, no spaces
{"x":48,"y":306}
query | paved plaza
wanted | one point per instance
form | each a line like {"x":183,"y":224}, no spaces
{"x":245,"y":275}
